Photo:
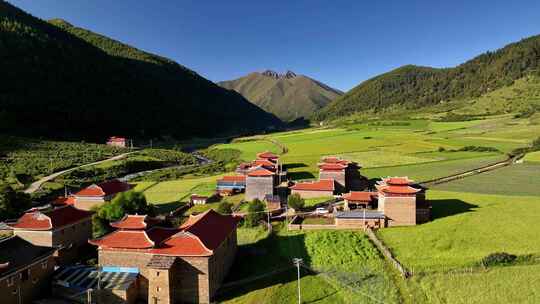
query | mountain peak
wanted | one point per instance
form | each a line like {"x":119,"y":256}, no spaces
{"x":288,"y":75}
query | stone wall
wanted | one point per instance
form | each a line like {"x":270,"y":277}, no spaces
{"x":28,"y":284}
{"x":400,"y":210}
{"x":259,"y":187}
{"x":348,"y":223}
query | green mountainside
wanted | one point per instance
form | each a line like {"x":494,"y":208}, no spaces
{"x":288,"y":96}
{"x":413,"y":87}
{"x":61,"y":81}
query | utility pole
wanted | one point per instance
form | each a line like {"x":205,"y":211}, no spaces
{"x":297,"y":262}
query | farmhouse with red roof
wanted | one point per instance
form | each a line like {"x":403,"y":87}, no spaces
{"x":185,"y":264}
{"x":117,"y":141}
{"x":321,"y":188}
{"x":65,"y":228}
{"x":344,"y":172}
{"x":97,"y":194}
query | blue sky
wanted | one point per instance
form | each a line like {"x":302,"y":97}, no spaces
{"x":337,"y":42}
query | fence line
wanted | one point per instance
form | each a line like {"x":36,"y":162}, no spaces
{"x":387,"y":254}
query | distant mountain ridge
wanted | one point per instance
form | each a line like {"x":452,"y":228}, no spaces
{"x":289,"y":96}
{"x":413,"y":87}
{"x":62,"y":81}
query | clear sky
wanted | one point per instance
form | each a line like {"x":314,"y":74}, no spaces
{"x":337,"y":42}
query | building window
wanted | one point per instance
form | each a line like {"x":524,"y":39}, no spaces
{"x":14,"y":291}
{"x":157,"y":273}
{"x":158,"y":288}
{"x":11,"y":280}
{"x":34,"y":280}
{"x":25,"y":275}
{"x":44,"y":265}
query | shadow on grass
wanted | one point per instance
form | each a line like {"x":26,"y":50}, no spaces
{"x":271,"y":254}
{"x":168,"y":207}
{"x":294,"y":165}
{"x":448,"y":207}
{"x":300,"y":175}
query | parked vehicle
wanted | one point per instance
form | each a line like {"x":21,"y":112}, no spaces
{"x":321,"y":210}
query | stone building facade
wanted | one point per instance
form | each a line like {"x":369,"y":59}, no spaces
{"x":260,"y":183}
{"x":398,"y":201}
{"x":65,"y":228}
{"x":98,"y":194}
{"x":25,"y":271}
{"x":183,"y":265}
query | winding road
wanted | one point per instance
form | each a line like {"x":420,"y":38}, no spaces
{"x":37,"y":184}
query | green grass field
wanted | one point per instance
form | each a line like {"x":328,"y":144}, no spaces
{"x":518,"y":179}
{"x":343,"y":256}
{"x":533,"y":157}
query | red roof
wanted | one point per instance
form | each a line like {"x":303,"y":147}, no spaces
{"x":133,"y":222}
{"x":233,"y":178}
{"x":360,"y":196}
{"x":332,"y":167}
{"x":264,"y":162}
{"x":198,"y":236}
{"x":104,"y":189}
{"x":260,"y":172}
{"x":267,"y":155}
{"x":334,"y":160}
{"x":397,"y":181}
{"x":398,"y":189}
{"x":116,"y":139}
{"x":53,"y":219}
{"x":62,"y":200}
{"x":321,"y":185}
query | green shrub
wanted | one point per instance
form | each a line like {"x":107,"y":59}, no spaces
{"x":255,"y":213}
{"x":498,"y":258}
{"x":224,"y":208}
{"x":295,"y":201}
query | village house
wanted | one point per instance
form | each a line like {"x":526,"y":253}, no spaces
{"x":196,"y":199}
{"x":231,"y":184}
{"x":176,"y":265}
{"x":359,"y":199}
{"x":396,"y":203}
{"x":320,"y":188}
{"x":260,"y":182}
{"x":344,"y":172}
{"x":65,"y":228}
{"x":97,"y":194}
{"x":117,"y":141}
{"x":25,"y":270}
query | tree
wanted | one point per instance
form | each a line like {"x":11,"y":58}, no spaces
{"x":255,"y":213}
{"x":129,"y":202}
{"x":224,"y":208}
{"x":12,"y":203}
{"x":295,"y":201}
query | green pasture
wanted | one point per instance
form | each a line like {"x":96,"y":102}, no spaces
{"x":467,"y":227}
{"x":518,"y":179}
{"x":346,"y":258}
{"x":168,"y":195}
{"x":533,"y":157}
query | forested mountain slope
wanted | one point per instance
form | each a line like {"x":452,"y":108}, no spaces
{"x":289,"y":96}
{"x":413,"y":87}
{"x":60,"y":81}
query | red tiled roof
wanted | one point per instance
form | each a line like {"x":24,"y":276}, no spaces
{"x":267,"y":155}
{"x":321,"y":185}
{"x":116,"y":138}
{"x":334,"y":160}
{"x":396,"y":181}
{"x":361,"y":196}
{"x":398,"y":189}
{"x":131,"y":222}
{"x":210,"y":227}
{"x":53,"y":219}
{"x":62,"y":200}
{"x":183,"y":244}
{"x":233,"y":178}
{"x":260,"y":172}
{"x":104,"y":189}
{"x":198,"y":236}
{"x":332,"y":167}
{"x":263,"y":162}
{"x":130,"y":239}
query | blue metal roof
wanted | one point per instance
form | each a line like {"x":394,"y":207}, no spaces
{"x":367,"y":214}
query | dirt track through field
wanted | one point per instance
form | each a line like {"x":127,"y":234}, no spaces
{"x":37,"y":184}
